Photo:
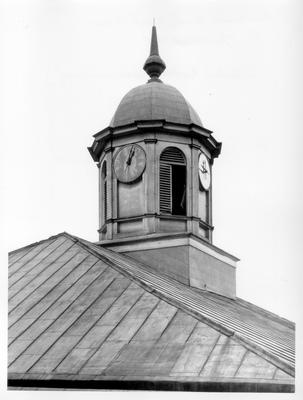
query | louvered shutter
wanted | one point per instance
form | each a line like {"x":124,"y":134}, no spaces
{"x":170,"y":156}
{"x":165,"y":188}
{"x":105,"y":192}
{"x":105,"y":200}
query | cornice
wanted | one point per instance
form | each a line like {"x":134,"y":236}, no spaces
{"x":158,"y":127}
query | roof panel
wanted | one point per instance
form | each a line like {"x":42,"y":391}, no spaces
{"x":254,"y":366}
{"x":87,"y":311}
{"x":40,"y":272}
{"x":249,"y":326}
{"x":28,"y":256}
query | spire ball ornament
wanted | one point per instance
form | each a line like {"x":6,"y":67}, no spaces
{"x":154,"y":65}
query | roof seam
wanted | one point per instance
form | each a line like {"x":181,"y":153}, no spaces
{"x":79,"y":316}
{"x":241,"y":362}
{"x":42,"y":283}
{"x":266,"y":313}
{"x":57,"y":298}
{"x":10,"y":287}
{"x":37,"y":243}
{"x":202,"y":307}
{"x":209,"y":354}
{"x":107,"y":336}
{"x":105,"y":311}
{"x":17,"y":259}
{"x":69,"y":306}
{"x":134,"y":334}
{"x":255,"y":348}
{"x":212,"y":303}
{"x":26,"y":262}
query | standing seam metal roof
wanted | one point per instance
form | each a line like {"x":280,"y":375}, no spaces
{"x":229,"y":315}
{"x":48,"y":269}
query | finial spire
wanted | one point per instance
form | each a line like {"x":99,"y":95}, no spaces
{"x":154,"y":65}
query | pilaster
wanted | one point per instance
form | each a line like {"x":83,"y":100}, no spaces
{"x":150,"y":185}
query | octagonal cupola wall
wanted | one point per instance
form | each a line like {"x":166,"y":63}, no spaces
{"x":155,"y":179}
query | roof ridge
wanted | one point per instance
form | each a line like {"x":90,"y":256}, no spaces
{"x":266,"y":313}
{"x":39,"y":242}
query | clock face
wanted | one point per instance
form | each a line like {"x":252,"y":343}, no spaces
{"x":129,"y":163}
{"x":204,"y":171}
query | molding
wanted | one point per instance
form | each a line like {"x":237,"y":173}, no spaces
{"x":154,"y":243}
{"x":151,"y":140}
{"x":204,"y":224}
{"x":212,"y":252}
{"x":150,"y":215}
{"x":144,"y":124}
{"x":102,"y":229}
{"x":162,"y":216}
{"x":195,"y":146}
{"x":159,"y":126}
{"x":123,"y":219}
{"x":104,"y":131}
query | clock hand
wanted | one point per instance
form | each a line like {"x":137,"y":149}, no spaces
{"x":203,"y":170}
{"x":127,"y":164}
{"x":130,"y":156}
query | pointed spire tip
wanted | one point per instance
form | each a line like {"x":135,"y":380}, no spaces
{"x":154,"y":65}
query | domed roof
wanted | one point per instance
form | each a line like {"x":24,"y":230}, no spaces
{"x":154,"y":101}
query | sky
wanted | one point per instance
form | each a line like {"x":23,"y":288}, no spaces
{"x":67,"y":64}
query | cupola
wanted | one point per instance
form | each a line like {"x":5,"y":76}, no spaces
{"x":155,"y":183}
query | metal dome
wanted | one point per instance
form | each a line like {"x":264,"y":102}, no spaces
{"x":154,"y":101}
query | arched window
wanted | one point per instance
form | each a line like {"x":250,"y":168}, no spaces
{"x":172,"y":182}
{"x":104,"y":191}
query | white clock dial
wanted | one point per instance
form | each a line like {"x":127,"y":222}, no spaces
{"x":129,"y":163}
{"x":204,"y":171}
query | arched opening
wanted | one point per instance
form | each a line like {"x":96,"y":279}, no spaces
{"x":172,"y":182}
{"x":104,"y":191}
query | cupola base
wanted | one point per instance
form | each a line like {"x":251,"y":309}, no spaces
{"x":183,"y":257}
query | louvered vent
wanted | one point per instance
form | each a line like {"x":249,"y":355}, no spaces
{"x":165,"y":189}
{"x":105,"y":199}
{"x":105,"y":191}
{"x":170,"y":157}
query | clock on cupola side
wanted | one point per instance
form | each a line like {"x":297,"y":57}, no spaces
{"x":155,"y":171}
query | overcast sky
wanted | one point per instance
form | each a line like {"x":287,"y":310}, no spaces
{"x":68,"y":63}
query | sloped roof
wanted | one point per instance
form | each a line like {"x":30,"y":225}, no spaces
{"x":80,"y":314}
